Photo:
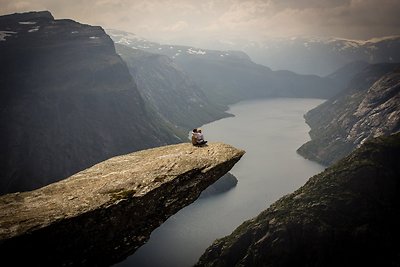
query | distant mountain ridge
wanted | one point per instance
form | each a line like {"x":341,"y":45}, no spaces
{"x":343,"y":75}
{"x":227,"y":77}
{"x":67,"y":101}
{"x":300,"y":54}
{"x":173,"y":51}
{"x":320,"y":56}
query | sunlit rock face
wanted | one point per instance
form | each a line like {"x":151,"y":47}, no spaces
{"x":344,"y":216}
{"x":103,"y":214}
{"x":370,"y":107}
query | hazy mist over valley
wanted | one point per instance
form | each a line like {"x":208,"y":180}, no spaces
{"x":100,"y":106}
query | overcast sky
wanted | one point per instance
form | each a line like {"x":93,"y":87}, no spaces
{"x":194,"y":21}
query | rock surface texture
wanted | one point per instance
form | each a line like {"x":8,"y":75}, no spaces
{"x":101,"y":215}
{"x":369,"y":108}
{"x":347,"y":215}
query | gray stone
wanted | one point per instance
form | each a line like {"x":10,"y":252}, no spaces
{"x":103,"y":214}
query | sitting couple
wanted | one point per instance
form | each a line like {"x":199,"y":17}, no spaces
{"x":198,"y":138}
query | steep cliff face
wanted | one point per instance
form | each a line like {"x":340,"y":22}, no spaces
{"x":67,"y":102}
{"x":368,"y":108}
{"x":103,"y":214}
{"x":170,"y":91}
{"x":344,"y":216}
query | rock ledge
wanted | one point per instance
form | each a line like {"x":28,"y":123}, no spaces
{"x":103,"y":214}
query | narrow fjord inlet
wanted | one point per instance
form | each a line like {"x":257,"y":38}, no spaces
{"x":270,"y":131}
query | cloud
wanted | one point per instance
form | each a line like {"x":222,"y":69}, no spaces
{"x":358,"y":19}
{"x":177,"y":27}
{"x":306,"y":4}
{"x":193,"y":21}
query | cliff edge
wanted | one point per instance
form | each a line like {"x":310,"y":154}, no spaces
{"x":368,"y":108}
{"x":67,"y":102}
{"x":101,"y":215}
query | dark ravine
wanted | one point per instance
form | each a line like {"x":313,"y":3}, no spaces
{"x":101,"y":215}
{"x":67,"y":102}
{"x":369,"y":107}
{"x":344,"y":216}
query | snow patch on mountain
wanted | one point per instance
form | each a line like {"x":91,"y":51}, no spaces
{"x":124,"y":41}
{"x":4,"y":34}
{"x":27,"y":22}
{"x":385,"y":38}
{"x":196,"y":52}
{"x":34,"y":29}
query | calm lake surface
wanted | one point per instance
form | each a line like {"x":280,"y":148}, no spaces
{"x":270,"y":131}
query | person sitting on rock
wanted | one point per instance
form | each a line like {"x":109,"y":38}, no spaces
{"x":200,"y":138}
{"x":194,"y":137}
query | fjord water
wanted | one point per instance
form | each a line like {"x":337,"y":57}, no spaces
{"x":270,"y":131}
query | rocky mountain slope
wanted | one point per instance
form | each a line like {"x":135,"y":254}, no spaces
{"x":369,"y":107}
{"x":170,"y":91}
{"x":345,"y":74}
{"x":103,"y":214}
{"x":67,"y":101}
{"x":320,"y":56}
{"x":344,"y":216}
{"x":227,"y":77}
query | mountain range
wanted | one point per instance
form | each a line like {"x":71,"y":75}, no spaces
{"x":73,"y":96}
{"x":317,"y":55}
{"x":227,"y":77}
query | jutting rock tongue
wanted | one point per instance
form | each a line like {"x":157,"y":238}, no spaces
{"x":101,"y":215}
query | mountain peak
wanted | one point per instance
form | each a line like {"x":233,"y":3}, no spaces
{"x":33,"y":15}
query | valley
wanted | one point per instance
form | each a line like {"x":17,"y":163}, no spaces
{"x":318,"y":117}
